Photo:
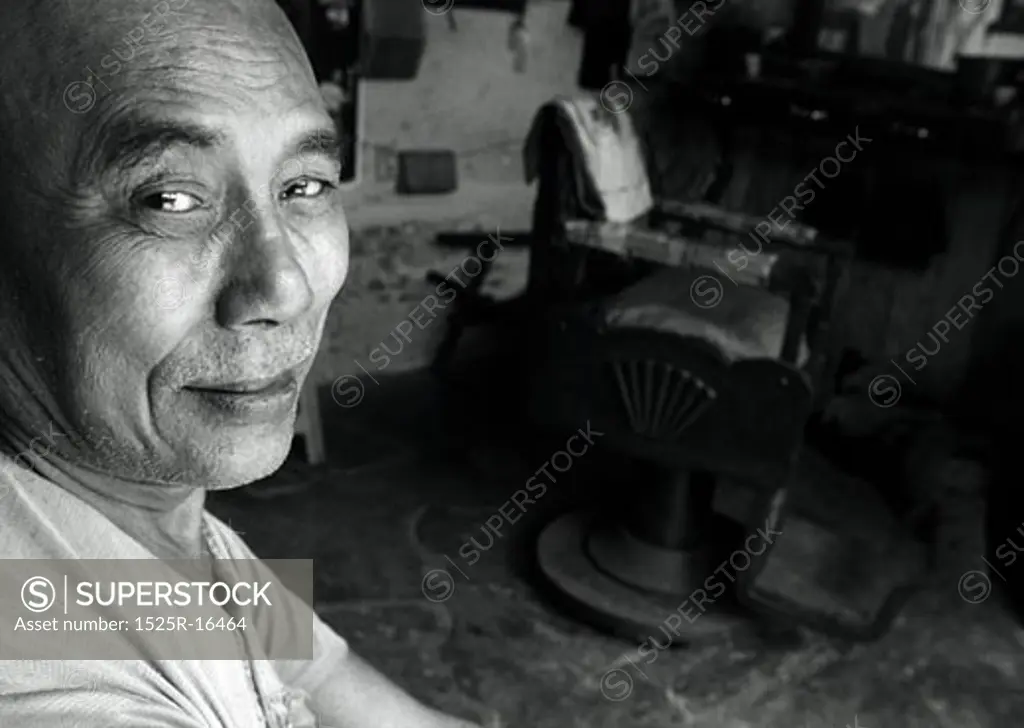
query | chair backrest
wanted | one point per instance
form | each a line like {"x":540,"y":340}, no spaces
{"x":608,"y":157}
{"x":675,"y":400}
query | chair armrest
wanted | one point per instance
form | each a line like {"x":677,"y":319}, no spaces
{"x":735,"y":223}
{"x":782,"y":271}
{"x":796,"y":237}
{"x":669,"y":249}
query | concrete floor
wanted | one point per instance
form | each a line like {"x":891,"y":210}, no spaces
{"x":410,"y":481}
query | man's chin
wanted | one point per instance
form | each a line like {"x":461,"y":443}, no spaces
{"x":245,"y":460}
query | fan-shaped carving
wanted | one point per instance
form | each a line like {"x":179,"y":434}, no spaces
{"x":660,"y":400}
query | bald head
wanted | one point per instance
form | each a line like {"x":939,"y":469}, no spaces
{"x":173,"y":232}
{"x":70,"y":63}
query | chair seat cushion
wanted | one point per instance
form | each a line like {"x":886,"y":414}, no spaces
{"x":744,"y":322}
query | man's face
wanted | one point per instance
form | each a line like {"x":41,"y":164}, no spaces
{"x":177,"y":244}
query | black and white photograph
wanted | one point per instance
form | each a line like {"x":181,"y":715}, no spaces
{"x":511,"y":363}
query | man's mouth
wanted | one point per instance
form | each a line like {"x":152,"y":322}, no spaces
{"x":259,"y":387}
{"x":262,"y":399}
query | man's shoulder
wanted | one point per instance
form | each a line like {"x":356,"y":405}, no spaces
{"x":25,"y":531}
{"x":41,"y":520}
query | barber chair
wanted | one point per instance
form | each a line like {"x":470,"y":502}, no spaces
{"x":706,"y":402}
{"x":699,"y":373}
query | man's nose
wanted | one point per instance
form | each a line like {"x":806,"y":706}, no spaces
{"x":267,"y":284}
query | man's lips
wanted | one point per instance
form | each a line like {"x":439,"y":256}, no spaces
{"x":256,"y":385}
{"x":252,"y":401}
{"x":250,"y":398}
{"x":266,"y":386}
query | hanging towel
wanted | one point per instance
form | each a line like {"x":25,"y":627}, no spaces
{"x":608,"y":161}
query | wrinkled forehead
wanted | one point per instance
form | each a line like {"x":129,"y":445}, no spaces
{"x":71,"y":63}
{"x":246,"y":48}
{"x":62,"y":36}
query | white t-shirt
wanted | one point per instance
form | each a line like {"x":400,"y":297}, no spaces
{"x":40,"y":520}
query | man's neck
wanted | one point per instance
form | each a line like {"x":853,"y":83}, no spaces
{"x":166,"y":519}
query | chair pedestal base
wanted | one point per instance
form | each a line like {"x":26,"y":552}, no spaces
{"x":660,"y":539}
{"x":650,"y":568}
{"x":610,"y":604}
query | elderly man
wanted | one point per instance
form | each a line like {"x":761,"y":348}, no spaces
{"x":172,"y":239}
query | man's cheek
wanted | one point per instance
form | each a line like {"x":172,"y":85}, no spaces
{"x":123,"y":288}
{"x":123,"y":334}
{"x":328,"y":263}
{"x":140,"y":297}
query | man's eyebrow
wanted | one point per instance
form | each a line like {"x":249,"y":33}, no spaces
{"x":325,"y":141}
{"x":133,"y":140}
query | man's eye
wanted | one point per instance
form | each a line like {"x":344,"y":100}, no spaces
{"x":308,"y":187}
{"x":174,"y":202}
